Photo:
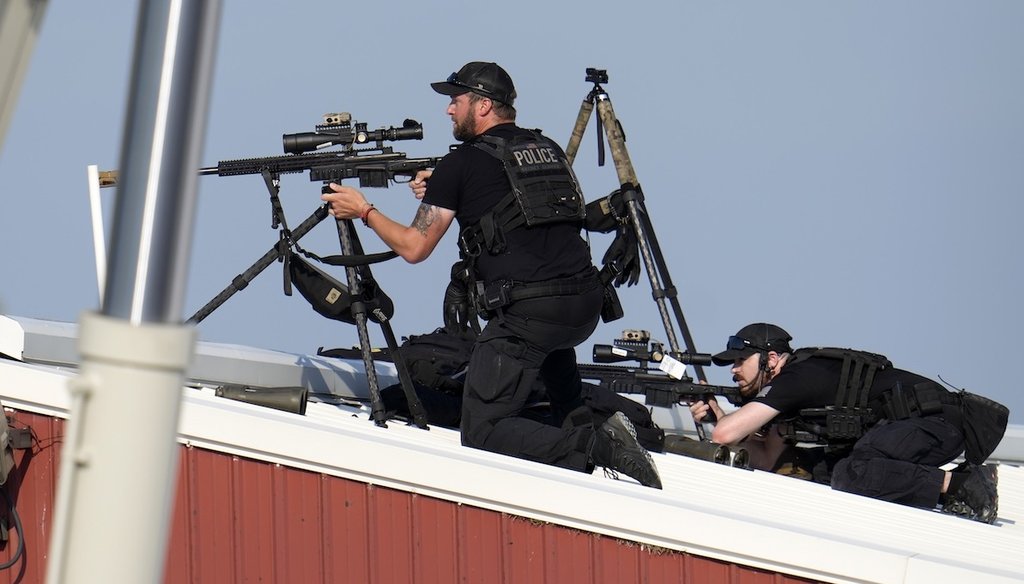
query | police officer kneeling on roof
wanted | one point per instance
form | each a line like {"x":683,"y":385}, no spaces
{"x":520,"y":212}
{"x":886,"y":432}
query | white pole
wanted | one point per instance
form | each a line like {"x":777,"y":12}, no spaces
{"x":99,"y":245}
{"x":120,"y":460}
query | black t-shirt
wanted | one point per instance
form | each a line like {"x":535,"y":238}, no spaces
{"x":471,"y":182}
{"x":812,"y":383}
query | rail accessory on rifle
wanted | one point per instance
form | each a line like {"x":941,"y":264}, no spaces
{"x":362,"y":155}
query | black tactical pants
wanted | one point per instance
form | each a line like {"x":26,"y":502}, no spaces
{"x":535,"y":337}
{"x":898,"y":461}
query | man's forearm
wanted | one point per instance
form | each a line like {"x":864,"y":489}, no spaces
{"x":414,"y":242}
{"x":737,"y":425}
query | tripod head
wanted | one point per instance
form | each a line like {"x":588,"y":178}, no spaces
{"x":596,"y":76}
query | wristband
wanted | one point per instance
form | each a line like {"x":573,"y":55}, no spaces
{"x":366,"y":213}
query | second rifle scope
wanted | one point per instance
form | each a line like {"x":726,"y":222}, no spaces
{"x":302,"y":142}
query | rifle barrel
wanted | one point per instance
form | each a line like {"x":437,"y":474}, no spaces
{"x":324,"y":166}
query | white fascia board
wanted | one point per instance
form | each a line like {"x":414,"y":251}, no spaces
{"x":35,"y":388}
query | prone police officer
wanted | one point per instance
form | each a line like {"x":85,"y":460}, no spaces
{"x":886,"y":431}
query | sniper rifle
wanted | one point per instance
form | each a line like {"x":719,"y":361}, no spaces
{"x":363,"y":155}
{"x":375,"y":165}
{"x":658,"y":388}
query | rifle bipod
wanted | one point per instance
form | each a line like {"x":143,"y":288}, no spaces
{"x":358,"y":279}
{"x":662,"y":288}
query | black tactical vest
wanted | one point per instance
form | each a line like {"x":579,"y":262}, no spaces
{"x":544,"y":189}
{"x":854,"y":410}
{"x":851,"y":415}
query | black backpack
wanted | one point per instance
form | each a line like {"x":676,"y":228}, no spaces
{"x":437,"y":363}
{"x":436,"y":360}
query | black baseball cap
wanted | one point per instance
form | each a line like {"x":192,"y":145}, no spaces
{"x":754,"y":338}
{"x":486,"y":79}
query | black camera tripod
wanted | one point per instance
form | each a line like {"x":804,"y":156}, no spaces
{"x":662,"y":289}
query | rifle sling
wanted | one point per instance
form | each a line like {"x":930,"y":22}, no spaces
{"x":358,"y":260}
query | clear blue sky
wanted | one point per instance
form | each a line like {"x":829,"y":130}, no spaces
{"x":851,"y":171}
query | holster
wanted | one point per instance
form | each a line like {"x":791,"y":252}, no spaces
{"x":611,"y":308}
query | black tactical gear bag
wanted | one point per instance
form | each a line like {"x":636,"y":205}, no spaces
{"x":436,"y":359}
{"x":984,"y":423}
{"x":331,"y":298}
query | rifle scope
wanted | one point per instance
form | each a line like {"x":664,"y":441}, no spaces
{"x":302,"y":142}
{"x":610,"y":354}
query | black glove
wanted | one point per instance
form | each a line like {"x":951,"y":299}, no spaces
{"x":456,"y":307}
{"x":458,"y":315}
{"x":624,"y":256}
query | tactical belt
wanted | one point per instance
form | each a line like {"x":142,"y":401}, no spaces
{"x":505,"y":292}
{"x":923,"y":399}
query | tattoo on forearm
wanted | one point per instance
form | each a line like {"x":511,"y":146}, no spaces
{"x":425,"y":217}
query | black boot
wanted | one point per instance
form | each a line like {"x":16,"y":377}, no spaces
{"x":616,"y":448}
{"x":974,"y":494}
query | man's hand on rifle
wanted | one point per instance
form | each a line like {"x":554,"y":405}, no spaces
{"x":699,"y":409}
{"x":345,"y":202}
{"x":419,"y":184}
{"x":414,"y":242}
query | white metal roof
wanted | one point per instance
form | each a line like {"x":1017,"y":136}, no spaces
{"x":752,"y":518}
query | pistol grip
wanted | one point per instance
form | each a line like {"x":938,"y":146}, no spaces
{"x":709,"y":417}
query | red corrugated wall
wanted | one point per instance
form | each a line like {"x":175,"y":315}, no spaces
{"x":241,"y":520}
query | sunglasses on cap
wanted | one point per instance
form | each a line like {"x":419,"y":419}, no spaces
{"x":739,"y":343}
{"x":454,"y":80}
